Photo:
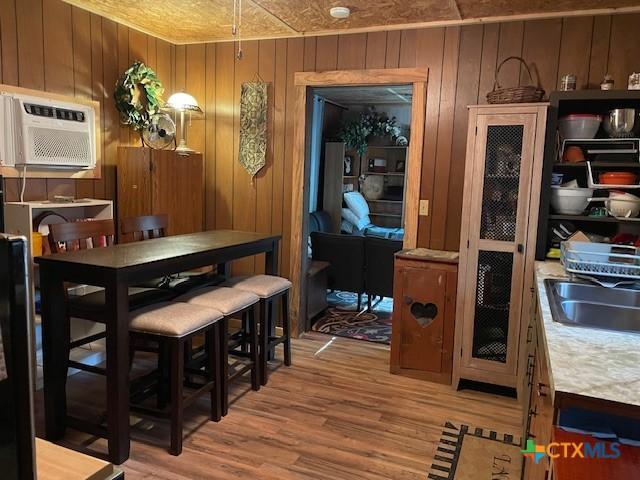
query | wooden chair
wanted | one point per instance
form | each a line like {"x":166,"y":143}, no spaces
{"x":65,"y":237}
{"x":145,"y":227}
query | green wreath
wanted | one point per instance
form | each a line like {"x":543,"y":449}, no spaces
{"x":138,"y":95}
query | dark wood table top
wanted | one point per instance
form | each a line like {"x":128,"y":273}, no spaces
{"x":134,"y":254}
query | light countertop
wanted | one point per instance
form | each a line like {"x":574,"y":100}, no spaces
{"x":589,"y":362}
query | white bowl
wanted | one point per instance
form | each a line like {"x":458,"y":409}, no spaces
{"x":570,"y":201}
{"x":579,"y":126}
{"x":624,"y":205}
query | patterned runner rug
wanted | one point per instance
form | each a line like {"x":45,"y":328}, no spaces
{"x":343,"y":319}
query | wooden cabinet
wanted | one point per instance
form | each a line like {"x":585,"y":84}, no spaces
{"x":424,"y":314}
{"x":500,"y":206}
{"x":153,"y":182}
{"x":538,"y":410}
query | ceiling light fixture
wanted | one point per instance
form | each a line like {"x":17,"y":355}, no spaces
{"x":340,"y":12}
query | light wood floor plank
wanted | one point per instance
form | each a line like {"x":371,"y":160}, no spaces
{"x":336,"y":414}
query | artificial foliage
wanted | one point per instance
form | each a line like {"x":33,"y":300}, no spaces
{"x":356,"y":133}
{"x":138,"y":95}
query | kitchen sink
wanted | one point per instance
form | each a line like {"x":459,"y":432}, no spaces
{"x":587,"y":305}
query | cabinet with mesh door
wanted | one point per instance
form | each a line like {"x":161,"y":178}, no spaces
{"x":424,"y":296}
{"x":497,"y":245}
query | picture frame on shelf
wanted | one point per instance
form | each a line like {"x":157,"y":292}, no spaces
{"x":348,"y":165}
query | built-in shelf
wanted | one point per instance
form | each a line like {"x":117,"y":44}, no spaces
{"x":387,"y":174}
{"x":587,"y":218}
{"x":599,"y":165}
{"x":387,"y":146}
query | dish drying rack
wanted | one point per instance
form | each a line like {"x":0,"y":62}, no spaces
{"x":601,"y":260}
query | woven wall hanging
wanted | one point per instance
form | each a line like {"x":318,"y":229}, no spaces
{"x":253,"y":126}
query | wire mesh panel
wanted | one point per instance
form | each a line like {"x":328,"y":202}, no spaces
{"x":491,"y":317}
{"x":501,"y":182}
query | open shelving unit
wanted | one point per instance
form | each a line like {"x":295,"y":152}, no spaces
{"x":602,"y":154}
{"x":387,"y":211}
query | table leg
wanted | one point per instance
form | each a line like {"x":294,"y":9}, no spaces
{"x":117,"y":315}
{"x":271,"y":259}
{"x":271,"y":268}
{"x":223,"y":269}
{"x":55,"y":350}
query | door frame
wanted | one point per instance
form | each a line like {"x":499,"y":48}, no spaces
{"x":303,"y":82}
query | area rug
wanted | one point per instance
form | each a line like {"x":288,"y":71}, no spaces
{"x":466,"y":453}
{"x":343,"y":319}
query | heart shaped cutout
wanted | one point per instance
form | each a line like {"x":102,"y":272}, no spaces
{"x":424,"y":314}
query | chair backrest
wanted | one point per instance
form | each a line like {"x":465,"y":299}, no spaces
{"x":345,"y":253}
{"x":320,"y":221}
{"x":379,"y":258}
{"x":145,"y":227}
{"x":65,"y":237}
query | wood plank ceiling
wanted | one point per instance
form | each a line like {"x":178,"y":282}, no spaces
{"x":196,"y":21}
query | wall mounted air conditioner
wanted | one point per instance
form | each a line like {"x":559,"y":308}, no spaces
{"x":40,"y":132}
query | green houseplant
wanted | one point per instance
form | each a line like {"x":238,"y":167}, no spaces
{"x":356,"y":133}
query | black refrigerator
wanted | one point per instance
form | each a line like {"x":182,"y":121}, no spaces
{"x":17,"y":362}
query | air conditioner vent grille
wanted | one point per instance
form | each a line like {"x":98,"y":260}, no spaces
{"x":52,"y":147}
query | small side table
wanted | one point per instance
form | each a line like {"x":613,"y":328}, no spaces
{"x":317,"y":280}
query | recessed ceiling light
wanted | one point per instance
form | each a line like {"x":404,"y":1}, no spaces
{"x":340,"y":12}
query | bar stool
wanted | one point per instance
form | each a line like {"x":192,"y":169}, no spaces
{"x":173,"y":324}
{"x":269,"y":288}
{"x":232,"y":303}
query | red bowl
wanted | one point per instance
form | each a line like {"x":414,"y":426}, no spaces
{"x":618,"y":178}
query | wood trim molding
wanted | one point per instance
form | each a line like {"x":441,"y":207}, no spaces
{"x":34,"y":172}
{"x":299,"y":227}
{"x":362,"y":77}
{"x":414,"y":165}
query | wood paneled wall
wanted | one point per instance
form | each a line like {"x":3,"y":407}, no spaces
{"x":462,"y":62}
{"x":50,"y":45}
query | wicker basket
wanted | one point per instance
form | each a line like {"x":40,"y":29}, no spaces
{"x":519,"y":94}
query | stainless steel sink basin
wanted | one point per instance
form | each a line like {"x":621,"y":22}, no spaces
{"x":593,"y":306}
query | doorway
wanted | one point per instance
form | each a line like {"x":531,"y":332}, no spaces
{"x":412,"y":79}
{"x":357,"y":177}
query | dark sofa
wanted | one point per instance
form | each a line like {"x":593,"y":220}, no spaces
{"x":358,"y":264}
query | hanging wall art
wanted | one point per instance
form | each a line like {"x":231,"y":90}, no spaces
{"x":253,"y":126}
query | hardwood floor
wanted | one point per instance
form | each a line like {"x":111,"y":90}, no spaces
{"x":336,"y":414}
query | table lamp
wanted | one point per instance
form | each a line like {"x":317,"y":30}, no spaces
{"x":183,"y":102}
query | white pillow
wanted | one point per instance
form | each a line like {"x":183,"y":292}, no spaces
{"x":351,"y":218}
{"x":357,"y":204}
{"x":346,"y":226}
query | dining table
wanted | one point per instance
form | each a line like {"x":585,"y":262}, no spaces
{"x":116,"y":268}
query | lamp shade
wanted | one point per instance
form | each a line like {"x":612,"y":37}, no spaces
{"x":182,"y":102}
